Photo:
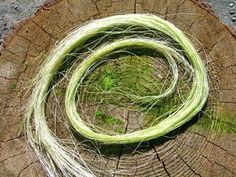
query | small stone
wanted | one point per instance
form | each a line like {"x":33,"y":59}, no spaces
{"x":4,"y":23}
{"x":231,"y":4}
{"x":232,"y":12}
{"x":5,"y":28}
{"x":16,"y":7}
{"x":233,"y":19}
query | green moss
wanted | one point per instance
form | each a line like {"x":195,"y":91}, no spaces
{"x":98,"y":114}
{"x":108,"y":82}
{"x":223,"y":122}
{"x":109,"y":79}
{"x":133,"y":76}
{"x":107,"y":118}
{"x":13,"y":85}
{"x":120,"y":130}
{"x":161,"y":111}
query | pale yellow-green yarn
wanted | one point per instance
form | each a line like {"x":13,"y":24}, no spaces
{"x":58,"y":159}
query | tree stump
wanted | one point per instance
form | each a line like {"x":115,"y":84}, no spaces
{"x":190,"y":153}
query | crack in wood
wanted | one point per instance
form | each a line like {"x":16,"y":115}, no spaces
{"x":213,"y":162}
{"x":122,"y":146}
{"x":12,"y":156}
{"x":162,"y":162}
{"x":216,"y":145}
{"x":44,"y":30}
{"x":11,"y":54}
{"x":188,"y":165}
{"x":157,"y":155}
{"x":26,"y":167}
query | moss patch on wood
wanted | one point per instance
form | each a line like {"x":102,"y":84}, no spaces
{"x":13,"y":85}
{"x":110,"y":120}
{"x":221,"y":122}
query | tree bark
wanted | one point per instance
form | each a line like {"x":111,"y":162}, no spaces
{"x":188,"y":154}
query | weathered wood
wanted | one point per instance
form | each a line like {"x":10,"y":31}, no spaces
{"x":188,"y":154}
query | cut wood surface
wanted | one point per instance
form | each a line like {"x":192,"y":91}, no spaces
{"x":190,"y":153}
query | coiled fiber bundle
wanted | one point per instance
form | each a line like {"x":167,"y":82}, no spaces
{"x":168,"y":41}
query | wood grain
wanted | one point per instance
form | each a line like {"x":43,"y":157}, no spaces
{"x":187,"y":154}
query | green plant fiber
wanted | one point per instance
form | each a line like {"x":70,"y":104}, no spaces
{"x":60,"y":159}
